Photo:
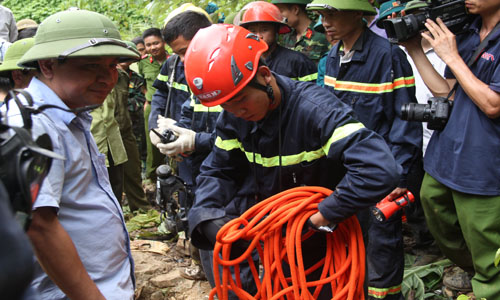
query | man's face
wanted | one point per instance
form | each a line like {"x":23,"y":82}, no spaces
{"x":250,"y":104}
{"x":287,"y":12}
{"x":482,"y":6}
{"x":22,"y":78}
{"x":179,"y":46}
{"x":142,"y":49}
{"x":265,"y":31}
{"x":81,"y":81}
{"x":339,"y":24}
{"x":155,"y":46}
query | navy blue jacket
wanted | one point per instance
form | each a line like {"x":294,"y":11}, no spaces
{"x":202,"y":120}
{"x":292,"y":64}
{"x":321,"y":144}
{"x":180,"y":92}
{"x":376,"y":83}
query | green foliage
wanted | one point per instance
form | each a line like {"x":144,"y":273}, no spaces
{"x":421,"y":281}
{"x":131,"y":16}
{"x":497,"y":258}
{"x":34,"y":9}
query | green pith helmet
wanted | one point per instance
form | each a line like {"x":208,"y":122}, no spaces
{"x":360,"y":5}
{"x":76,"y":33}
{"x":304,"y":2}
{"x":14,"y":53}
{"x":415,"y":4}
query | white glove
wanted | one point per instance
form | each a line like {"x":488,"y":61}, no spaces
{"x":164,"y":123}
{"x":183,"y":144}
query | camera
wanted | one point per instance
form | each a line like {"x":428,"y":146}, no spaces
{"x":436,"y":113}
{"x":452,"y":12}
{"x":174,"y":197}
{"x":166,"y":136}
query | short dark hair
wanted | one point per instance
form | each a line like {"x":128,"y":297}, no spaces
{"x":137,"y":40}
{"x":6,"y":83}
{"x":186,"y":24}
{"x":27,"y":33}
{"x":153,"y":31}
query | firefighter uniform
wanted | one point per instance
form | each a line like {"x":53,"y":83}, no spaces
{"x":292,"y":64}
{"x":200,"y":119}
{"x":192,"y":115}
{"x":321,"y":144}
{"x":376,"y":81}
{"x":312,"y":43}
{"x":180,"y":93}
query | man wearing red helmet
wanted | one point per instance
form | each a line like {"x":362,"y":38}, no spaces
{"x":275,"y":134}
{"x":265,"y":20}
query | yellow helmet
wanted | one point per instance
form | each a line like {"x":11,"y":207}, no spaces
{"x":185,"y":7}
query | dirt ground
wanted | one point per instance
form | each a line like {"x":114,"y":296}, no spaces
{"x":157,"y":265}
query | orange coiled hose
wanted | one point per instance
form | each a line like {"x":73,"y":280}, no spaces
{"x":262,"y":225}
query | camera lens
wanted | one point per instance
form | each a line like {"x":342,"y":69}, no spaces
{"x":406,"y":111}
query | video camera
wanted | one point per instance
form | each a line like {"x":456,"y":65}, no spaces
{"x":174,"y":197}
{"x":436,"y":113}
{"x":452,"y":12}
{"x":24,"y":163}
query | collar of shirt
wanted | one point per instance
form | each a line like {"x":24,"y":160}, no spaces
{"x":37,"y":88}
{"x":357,"y":47}
{"x":475,"y":27}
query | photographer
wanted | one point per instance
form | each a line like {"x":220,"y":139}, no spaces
{"x":461,"y":188}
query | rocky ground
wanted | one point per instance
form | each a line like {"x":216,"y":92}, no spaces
{"x":157,"y":265}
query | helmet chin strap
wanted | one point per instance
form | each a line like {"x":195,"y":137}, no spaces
{"x":266,"y":88}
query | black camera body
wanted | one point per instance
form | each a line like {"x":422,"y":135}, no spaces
{"x":452,"y":12}
{"x":436,"y":113}
{"x":175,"y":198}
{"x":167,"y":136}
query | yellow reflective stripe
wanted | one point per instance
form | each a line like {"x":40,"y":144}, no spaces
{"x":175,"y":85}
{"x":404,"y":82}
{"x":309,"y":77}
{"x":371,"y":88}
{"x":381,"y":293}
{"x":202,"y":108}
{"x":294,"y":159}
{"x":180,"y":86}
{"x":163,"y":78}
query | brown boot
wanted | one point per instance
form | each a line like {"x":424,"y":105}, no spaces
{"x":457,"y":279}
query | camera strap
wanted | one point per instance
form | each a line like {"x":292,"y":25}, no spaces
{"x":170,"y":85}
{"x":476,"y":55}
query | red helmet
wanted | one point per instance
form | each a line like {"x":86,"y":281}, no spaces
{"x":220,"y":61}
{"x":261,"y":11}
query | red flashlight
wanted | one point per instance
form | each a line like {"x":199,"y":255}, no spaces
{"x":386,"y":208}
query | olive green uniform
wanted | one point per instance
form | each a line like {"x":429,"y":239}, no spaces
{"x":109,"y":141}
{"x":136,"y":101}
{"x":132,"y":168}
{"x":149,"y":68}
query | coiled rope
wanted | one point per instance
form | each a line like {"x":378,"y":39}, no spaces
{"x":262,"y":225}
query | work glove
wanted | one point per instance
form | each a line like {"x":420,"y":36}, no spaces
{"x":183,"y":144}
{"x":164,"y":123}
